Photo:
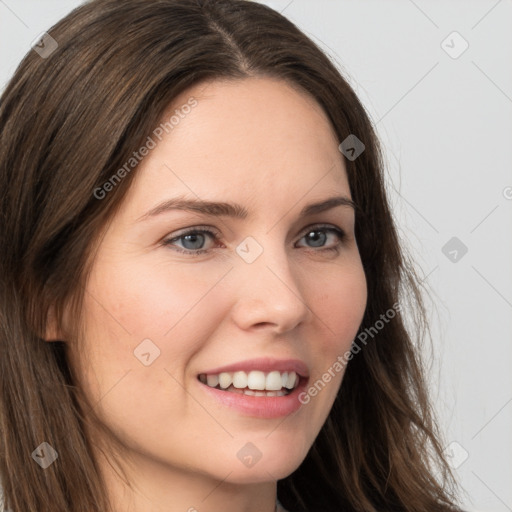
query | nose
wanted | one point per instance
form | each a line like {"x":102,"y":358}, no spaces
{"x":269,"y":293}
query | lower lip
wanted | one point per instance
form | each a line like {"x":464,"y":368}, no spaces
{"x":259,"y":406}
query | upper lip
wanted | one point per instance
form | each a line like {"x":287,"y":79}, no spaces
{"x":264,"y":364}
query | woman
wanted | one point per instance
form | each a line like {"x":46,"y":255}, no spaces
{"x":202,"y":284}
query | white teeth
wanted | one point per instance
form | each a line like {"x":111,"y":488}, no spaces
{"x":254,"y":383}
{"x":274,"y":382}
{"x":292,"y":376}
{"x":256,"y":380}
{"x":225,"y":380}
{"x":240,"y":380}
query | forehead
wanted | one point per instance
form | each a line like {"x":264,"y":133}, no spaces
{"x":257,"y":138}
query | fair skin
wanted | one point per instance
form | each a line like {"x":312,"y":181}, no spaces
{"x":267,"y":147}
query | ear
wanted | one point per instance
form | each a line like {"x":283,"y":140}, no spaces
{"x":53,"y":332}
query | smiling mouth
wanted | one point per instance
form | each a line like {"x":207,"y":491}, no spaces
{"x":253,"y":383}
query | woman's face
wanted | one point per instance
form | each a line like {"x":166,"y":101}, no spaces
{"x":277,"y":292}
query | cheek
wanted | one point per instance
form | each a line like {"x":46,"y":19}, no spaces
{"x":340,"y":305}
{"x":150,"y":300}
{"x":124,"y":307}
{"x":128,"y":304}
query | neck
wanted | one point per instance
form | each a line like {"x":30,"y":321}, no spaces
{"x":161,"y":488}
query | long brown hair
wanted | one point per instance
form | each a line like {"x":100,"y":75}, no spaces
{"x":68,"y":122}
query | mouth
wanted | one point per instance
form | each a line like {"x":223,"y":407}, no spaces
{"x":253,"y":383}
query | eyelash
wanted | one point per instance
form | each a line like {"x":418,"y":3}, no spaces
{"x":204,"y":230}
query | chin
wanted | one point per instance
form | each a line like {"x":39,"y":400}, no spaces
{"x":268,"y":471}
{"x":271,"y":461}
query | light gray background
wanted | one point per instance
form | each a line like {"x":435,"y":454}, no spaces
{"x":446,"y":125}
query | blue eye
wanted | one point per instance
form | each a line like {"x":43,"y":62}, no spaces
{"x":324,"y":232}
{"x":194,"y":238}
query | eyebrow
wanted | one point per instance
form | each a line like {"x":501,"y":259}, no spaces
{"x":221,"y":209}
